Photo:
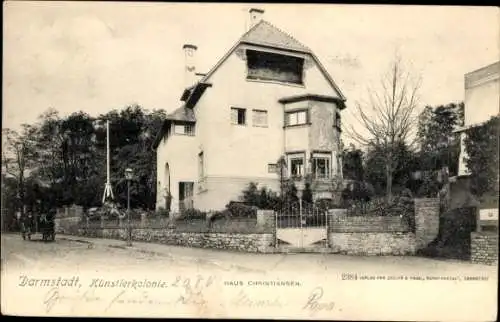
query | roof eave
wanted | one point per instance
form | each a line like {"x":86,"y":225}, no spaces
{"x":284,"y":48}
{"x":314,"y":97}
{"x":160,"y":134}
{"x":196,"y":94}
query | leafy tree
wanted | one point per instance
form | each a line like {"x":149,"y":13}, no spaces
{"x":439,"y":146}
{"x":70,"y":155}
{"x":281,"y":167}
{"x":352,"y":164}
{"x":375,"y":172}
{"x":19,"y":149}
{"x":481,"y":146}
{"x":261,"y":198}
{"x":10,"y":203}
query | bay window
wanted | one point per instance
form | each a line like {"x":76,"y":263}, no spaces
{"x":296,"y":118}
{"x":321,"y":165}
{"x":296,"y":163}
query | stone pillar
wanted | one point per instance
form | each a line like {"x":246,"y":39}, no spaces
{"x":335,"y":215}
{"x":426,"y":221}
{"x":57,"y":226}
{"x":484,"y":248}
{"x":266,"y":219}
{"x":144,"y":220}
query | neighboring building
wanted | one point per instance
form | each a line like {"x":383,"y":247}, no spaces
{"x":482,"y":101}
{"x":268,"y":97}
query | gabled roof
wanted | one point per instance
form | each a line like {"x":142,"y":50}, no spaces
{"x":182,"y":114}
{"x":265,"y":34}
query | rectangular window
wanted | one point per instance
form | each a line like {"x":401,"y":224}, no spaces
{"x":296,"y":118}
{"x":337,"y":123}
{"x":184,"y":129}
{"x":201,"y":165}
{"x":296,"y":163}
{"x":238,"y":116}
{"x":274,"y":67}
{"x":259,"y":118}
{"x":186,"y":195}
{"x":189,"y":128}
{"x":272,"y":168}
{"x":321,"y":163}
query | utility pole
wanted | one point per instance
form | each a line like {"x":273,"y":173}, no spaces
{"x":108,"y":191}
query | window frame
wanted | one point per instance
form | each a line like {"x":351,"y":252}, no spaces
{"x":238,"y":109}
{"x":260,"y":111}
{"x":300,"y":69}
{"x":270,"y":166}
{"x":337,"y":122}
{"x":295,"y":156}
{"x":185,"y":127}
{"x":297,"y":112}
{"x":324,"y":156}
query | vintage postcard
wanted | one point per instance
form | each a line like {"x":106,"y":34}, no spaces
{"x":245,"y":160}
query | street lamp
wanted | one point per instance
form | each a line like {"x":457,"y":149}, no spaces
{"x":128,"y":176}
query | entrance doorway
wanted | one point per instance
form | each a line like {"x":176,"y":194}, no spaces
{"x":186,"y":195}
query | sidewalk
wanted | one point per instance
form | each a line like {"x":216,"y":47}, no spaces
{"x":296,"y":263}
{"x":223,"y":259}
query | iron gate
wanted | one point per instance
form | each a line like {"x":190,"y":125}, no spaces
{"x":302,"y":225}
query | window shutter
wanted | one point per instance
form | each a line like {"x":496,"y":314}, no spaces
{"x":234,"y":116}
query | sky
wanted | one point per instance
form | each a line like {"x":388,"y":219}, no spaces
{"x":97,"y":56}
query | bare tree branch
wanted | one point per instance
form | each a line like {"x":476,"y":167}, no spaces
{"x":394,"y":121}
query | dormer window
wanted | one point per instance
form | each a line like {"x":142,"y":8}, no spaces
{"x":274,"y":67}
{"x":184,"y":129}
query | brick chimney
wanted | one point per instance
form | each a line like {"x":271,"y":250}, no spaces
{"x":190,"y":66}
{"x":256,"y":15}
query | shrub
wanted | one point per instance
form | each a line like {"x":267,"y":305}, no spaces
{"x":261,"y":198}
{"x":481,"y":145}
{"x":325,"y":204}
{"x":192,"y":214}
{"x":241,"y":210}
{"x":161,"y":212}
{"x":224,"y":214}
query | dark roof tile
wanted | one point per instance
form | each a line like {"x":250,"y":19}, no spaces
{"x":264,"y":33}
{"x":181,"y":114}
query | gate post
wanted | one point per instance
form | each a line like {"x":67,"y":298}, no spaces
{"x":276,"y":229}
{"x":300,"y":218}
{"x":327,"y":244}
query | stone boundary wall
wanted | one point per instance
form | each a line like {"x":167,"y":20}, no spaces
{"x":359,"y":224}
{"x":348,"y":235}
{"x":258,"y":236}
{"x":389,"y":235}
{"x":484,"y":248}
{"x":369,"y":243}
{"x":257,"y":243}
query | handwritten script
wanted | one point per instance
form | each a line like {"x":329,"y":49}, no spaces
{"x":181,"y":292}
{"x":315,"y":303}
